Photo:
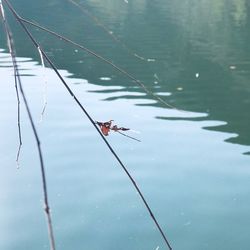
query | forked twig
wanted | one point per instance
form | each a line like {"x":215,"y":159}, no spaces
{"x":21,"y":22}
{"x":45,"y":192}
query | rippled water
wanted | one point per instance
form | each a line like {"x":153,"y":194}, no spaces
{"x":191,"y":166}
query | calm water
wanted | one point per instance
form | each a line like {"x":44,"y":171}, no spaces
{"x":193,"y":167}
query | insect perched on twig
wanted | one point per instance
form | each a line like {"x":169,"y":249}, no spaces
{"x":106,"y":127}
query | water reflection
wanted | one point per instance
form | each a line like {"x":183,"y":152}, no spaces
{"x":185,"y":38}
{"x":240,"y":12}
{"x":192,"y":178}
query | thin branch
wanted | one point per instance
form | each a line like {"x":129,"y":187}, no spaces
{"x":9,"y":42}
{"x":45,"y":192}
{"x":131,"y":137}
{"x":18,"y":120}
{"x":92,"y":121}
{"x":117,"y":68}
{"x":107,"y":31}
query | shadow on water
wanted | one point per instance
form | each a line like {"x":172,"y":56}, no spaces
{"x":200,"y":51}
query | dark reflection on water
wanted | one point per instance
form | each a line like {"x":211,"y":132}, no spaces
{"x":198,"y":51}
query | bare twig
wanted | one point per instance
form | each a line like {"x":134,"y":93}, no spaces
{"x":45,"y":192}
{"x":20,"y":20}
{"x":117,"y":68}
{"x":131,"y":137}
{"x":9,"y":41}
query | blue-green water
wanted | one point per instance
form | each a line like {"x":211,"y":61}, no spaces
{"x":191,"y":166}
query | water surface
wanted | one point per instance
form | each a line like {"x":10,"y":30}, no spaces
{"x":191,"y":165}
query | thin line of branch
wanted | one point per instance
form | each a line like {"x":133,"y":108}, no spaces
{"x":9,"y":42}
{"x":45,"y":192}
{"x":131,"y":137}
{"x":106,"y":30}
{"x":117,"y":68}
{"x":93,"y":123}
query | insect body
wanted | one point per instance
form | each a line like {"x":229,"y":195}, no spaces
{"x":106,"y":127}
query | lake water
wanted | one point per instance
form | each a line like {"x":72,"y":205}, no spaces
{"x":193,"y":166}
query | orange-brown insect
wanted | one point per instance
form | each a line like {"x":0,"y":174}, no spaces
{"x":106,"y":127}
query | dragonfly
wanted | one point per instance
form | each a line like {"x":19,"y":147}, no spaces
{"x":107,"y":127}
